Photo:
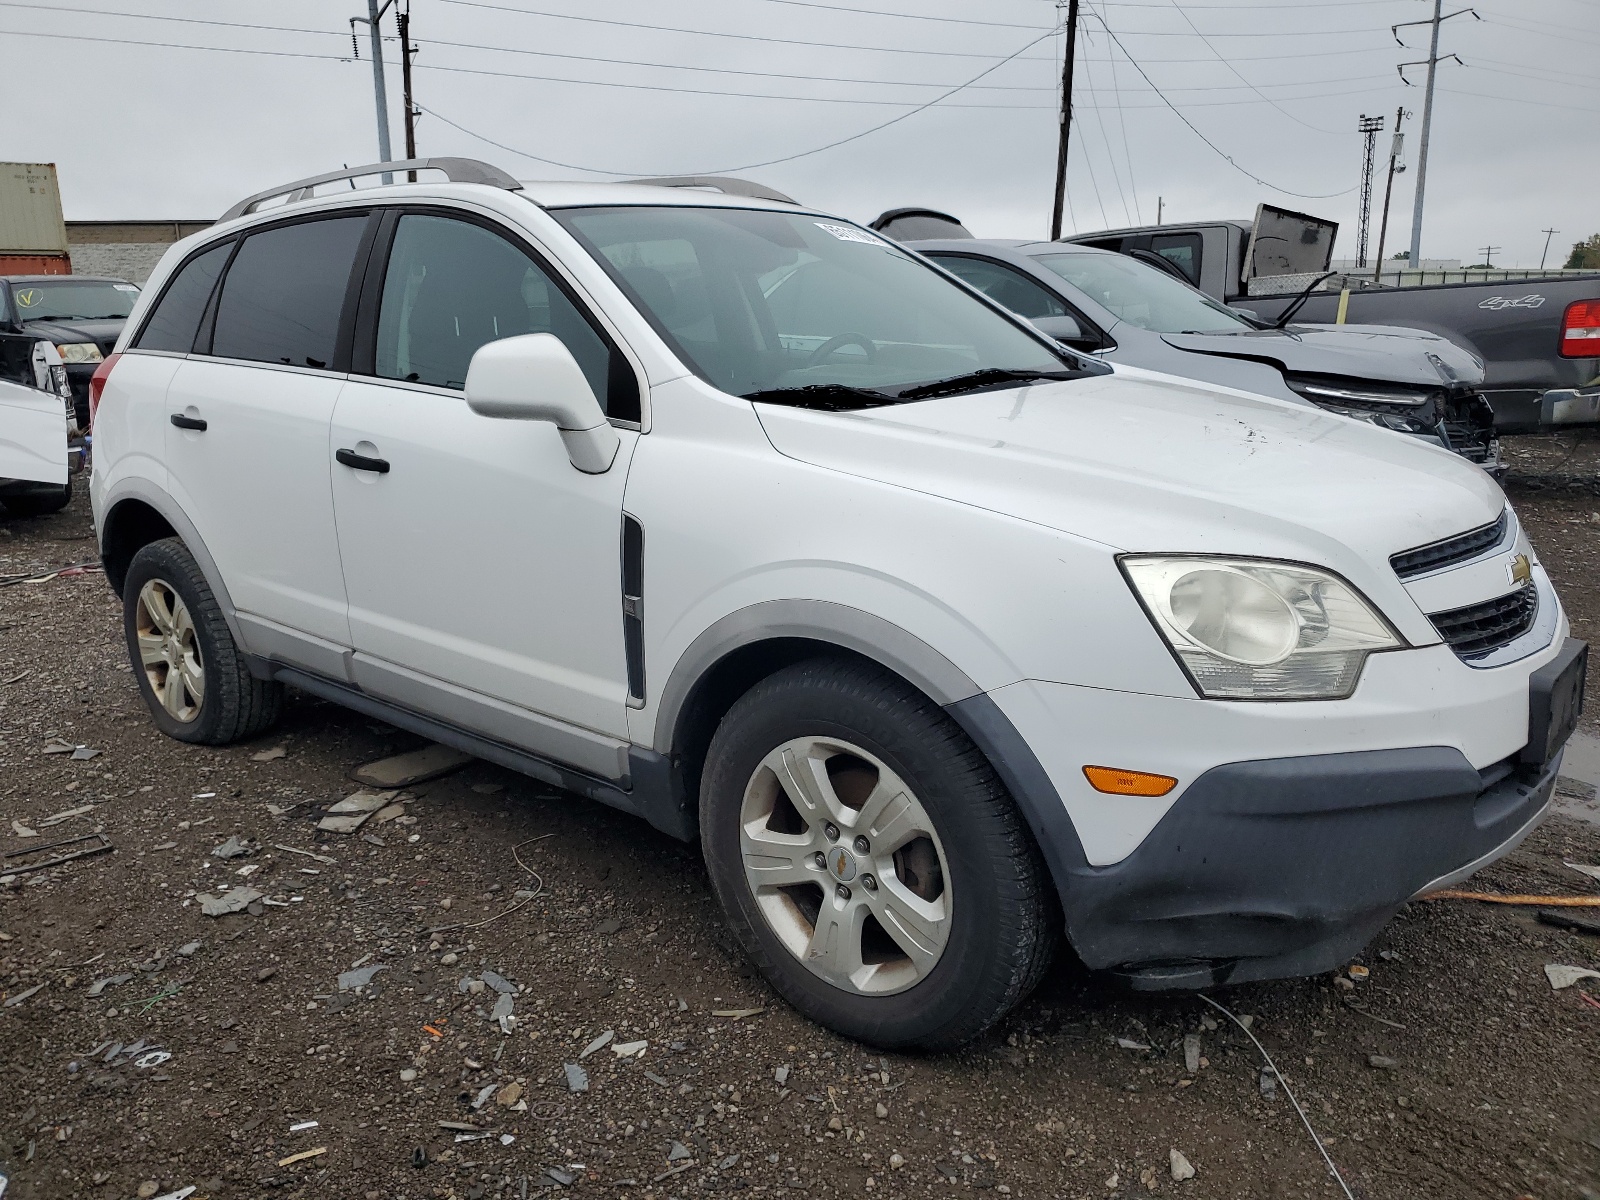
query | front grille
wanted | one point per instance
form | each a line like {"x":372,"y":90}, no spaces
{"x":1452,"y":551}
{"x":1480,"y":629}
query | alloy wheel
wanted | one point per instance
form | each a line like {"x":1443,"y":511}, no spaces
{"x":845,"y":866}
{"x":169,"y":650}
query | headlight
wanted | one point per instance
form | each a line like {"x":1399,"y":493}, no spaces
{"x":1245,"y":629}
{"x":1383,"y":419}
{"x":79,"y":352}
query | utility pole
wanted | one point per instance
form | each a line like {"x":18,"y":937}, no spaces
{"x":1548,"y":234}
{"x":1488,"y":254}
{"x":1066,"y":118}
{"x":403,"y":20}
{"x":1432,"y":63}
{"x":1396,"y":148}
{"x":380,"y":94}
{"x":1160,"y":204}
{"x":1370,"y":127}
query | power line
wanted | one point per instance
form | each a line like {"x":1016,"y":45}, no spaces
{"x":771,"y":161}
{"x":743,"y":37}
{"x":876,"y":12}
{"x":1207,"y":43}
{"x":1195,"y":130}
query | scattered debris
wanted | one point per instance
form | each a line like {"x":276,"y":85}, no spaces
{"x":1381,"y":1062}
{"x":1563,"y":920}
{"x":302,"y":1156}
{"x":507,"y":1096}
{"x":321,"y":858}
{"x":350,"y":980}
{"x":498,"y":983}
{"x":629,"y":1049}
{"x":577,"y":1077}
{"x":84,"y":754}
{"x":234,"y":847}
{"x":354,"y":811}
{"x":154,"y":1058}
{"x":239,"y":899}
{"x":600,"y":1043}
{"x":65,"y":815}
{"x":402,"y":770}
{"x":1181,"y":1167}
{"x":678,"y":1152}
{"x":265,"y":974}
{"x":100,"y":985}
{"x":271,"y":755}
{"x":738,"y":1013}
{"x":781,"y":1075}
{"x":1130,"y":1044}
{"x":1560,"y":975}
{"x":1267,"y":1082}
{"x":1358,"y":972}
{"x":303,"y":1125}
{"x":181,"y":1194}
{"x":527,"y":898}
{"x":1191,"y":1053}
{"x":99,"y":844}
{"x":21,"y":830}
{"x":13,"y":1001}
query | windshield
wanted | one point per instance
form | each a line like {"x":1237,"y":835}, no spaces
{"x":760,"y":302}
{"x":1142,"y":295}
{"x":100,"y":300}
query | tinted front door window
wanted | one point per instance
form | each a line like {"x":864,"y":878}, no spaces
{"x":283,"y":296}
{"x":453,"y":286}
{"x":1003,"y":285}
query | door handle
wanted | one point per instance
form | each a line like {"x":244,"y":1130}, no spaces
{"x":361,"y":462}
{"x":198,"y":424}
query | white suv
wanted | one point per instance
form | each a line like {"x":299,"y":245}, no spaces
{"x":735,"y":516}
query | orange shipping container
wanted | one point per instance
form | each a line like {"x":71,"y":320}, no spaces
{"x":35,"y":264}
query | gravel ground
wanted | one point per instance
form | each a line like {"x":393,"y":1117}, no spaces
{"x":1486,"y":1083}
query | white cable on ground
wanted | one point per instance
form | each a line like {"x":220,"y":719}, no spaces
{"x":1333,"y":1170}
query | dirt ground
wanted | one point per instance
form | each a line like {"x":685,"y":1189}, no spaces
{"x":1486,"y":1084}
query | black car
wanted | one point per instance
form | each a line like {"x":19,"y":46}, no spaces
{"x":81,"y":314}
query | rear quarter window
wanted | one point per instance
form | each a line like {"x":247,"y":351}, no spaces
{"x":175,"y":320}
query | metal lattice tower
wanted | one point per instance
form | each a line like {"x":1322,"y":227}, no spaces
{"x":1371,"y":127}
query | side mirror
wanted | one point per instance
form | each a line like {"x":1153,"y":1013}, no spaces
{"x":1066,"y":330}
{"x":533,"y":377}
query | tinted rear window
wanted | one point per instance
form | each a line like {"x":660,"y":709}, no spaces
{"x":176,"y":319}
{"x":284,"y":293}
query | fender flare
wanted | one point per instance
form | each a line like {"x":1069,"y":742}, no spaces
{"x":815,"y":620}
{"x":148,"y":493}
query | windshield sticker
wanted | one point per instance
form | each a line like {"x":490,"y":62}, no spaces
{"x":28,"y":297}
{"x":846,"y":234}
{"x":124,"y":287}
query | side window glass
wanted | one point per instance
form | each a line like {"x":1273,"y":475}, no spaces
{"x":283,"y":295}
{"x":176,"y":317}
{"x":452,"y":286}
{"x":1003,"y":285}
{"x":1182,"y":250}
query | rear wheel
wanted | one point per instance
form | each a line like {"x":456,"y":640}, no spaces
{"x":191,"y":674}
{"x":869,"y":861}
{"x":39,"y":503}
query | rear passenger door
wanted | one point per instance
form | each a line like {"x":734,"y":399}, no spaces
{"x":483,"y":569}
{"x":247,"y":438}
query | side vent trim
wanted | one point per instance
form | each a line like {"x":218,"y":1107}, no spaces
{"x":633,"y":607}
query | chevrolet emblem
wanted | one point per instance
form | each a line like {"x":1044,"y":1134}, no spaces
{"x":1519,"y":568}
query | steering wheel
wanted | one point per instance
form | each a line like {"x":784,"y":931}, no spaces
{"x":827,"y":349}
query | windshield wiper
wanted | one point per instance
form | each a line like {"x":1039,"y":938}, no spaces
{"x":974,"y":380}
{"x":828,"y":397}
{"x":1299,"y":301}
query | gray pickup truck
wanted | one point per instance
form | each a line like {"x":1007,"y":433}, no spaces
{"x":1539,"y":339}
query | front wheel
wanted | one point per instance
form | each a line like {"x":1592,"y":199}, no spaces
{"x":191,"y":674}
{"x":869,"y":861}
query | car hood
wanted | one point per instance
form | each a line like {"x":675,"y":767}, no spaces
{"x":102,"y":333}
{"x":1376,"y":352}
{"x":1140,"y":461}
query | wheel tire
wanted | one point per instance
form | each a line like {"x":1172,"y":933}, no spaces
{"x":39,"y":504}
{"x":233,"y":705}
{"x":1002,"y":923}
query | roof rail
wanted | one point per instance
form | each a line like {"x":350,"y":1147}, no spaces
{"x":456,"y":170}
{"x":722,"y":183}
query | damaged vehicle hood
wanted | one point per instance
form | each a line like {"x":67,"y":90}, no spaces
{"x":1141,"y":461}
{"x":1375,"y":352}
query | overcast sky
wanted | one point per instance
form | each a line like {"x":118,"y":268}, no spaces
{"x":183,"y":130}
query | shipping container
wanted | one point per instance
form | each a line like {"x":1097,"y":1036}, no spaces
{"x":35,"y":264}
{"x":30,"y":212}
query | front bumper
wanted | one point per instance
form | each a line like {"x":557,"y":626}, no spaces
{"x":1298,"y":829}
{"x":1290,"y":866}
